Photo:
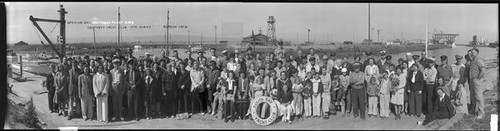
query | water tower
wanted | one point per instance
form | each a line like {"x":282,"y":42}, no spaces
{"x":271,"y":30}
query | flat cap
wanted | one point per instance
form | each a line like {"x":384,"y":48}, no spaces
{"x":458,"y":56}
{"x":116,"y":60}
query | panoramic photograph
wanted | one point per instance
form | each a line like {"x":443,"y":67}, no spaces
{"x":259,"y":66}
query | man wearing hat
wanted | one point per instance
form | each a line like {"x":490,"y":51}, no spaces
{"x":117,"y":90}
{"x":312,"y":54}
{"x":459,"y":92}
{"x":358,"y":91}
{"x":445,"y":71}
{"x":382,"y":62}
{"x":312,"y":64}
{"x":200,"y":56}
{"x":430,"y":74}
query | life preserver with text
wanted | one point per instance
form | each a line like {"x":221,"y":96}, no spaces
{"x":273,"y":110}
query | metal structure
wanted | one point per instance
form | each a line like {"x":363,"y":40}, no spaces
{"x":62,"y":35}
{"x":444,"y":39}
{"x":271,"y":30}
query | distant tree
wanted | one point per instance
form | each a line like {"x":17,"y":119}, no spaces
{"x":21,"y":43}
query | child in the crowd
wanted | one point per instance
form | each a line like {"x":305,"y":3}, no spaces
{"x":316,"y":96}
{"x":218,"y":101}
{"x":346,"y":96}
{"x":326,"y":83}
{"x":297,"y":102}
{"x":459,"y":100}
{"x":307,"y":95}
{"x":384,"y":95}
{"x":337,"y":94}
{"x":373,"y":89}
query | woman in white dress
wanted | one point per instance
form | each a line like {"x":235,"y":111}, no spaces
{"x":399,"y":83}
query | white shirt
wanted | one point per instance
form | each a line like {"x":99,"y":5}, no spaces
{"x":232,"y":66}
{"x":413,"y":78}
{"x":315,"y":85}
{"x":441,"y":97}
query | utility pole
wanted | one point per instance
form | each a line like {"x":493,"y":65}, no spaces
{"x":369,"y":37}
{"x":168,"y":25}
{"x":62,"y":37}
{"x":189,"y":41}
{"x":298,"y":38}
{"x":378,"y":35}
{"x":95,"y":52}
{"x":426,"y":31}
{"x":119,"y":45}
{"x":215,"y":34}
{"x":327,"y":37}
{"x":308,"y":30}
{"x":201,"y":40}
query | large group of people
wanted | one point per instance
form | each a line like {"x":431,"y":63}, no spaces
{"x":120,"y":86}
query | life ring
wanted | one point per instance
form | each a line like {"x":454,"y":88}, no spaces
{"x":272,"y":108}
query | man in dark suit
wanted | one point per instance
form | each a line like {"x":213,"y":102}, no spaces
{"x":74,"y":99}
{"x":148,"y":97}
{"x":183,"y":83}
{"x":442,"y":108}
{"x":49,"y":84}
{"x":169,"y":92}
{"x":133,"y":91}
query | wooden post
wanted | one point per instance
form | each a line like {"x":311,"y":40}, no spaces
{"x":21,"y":65}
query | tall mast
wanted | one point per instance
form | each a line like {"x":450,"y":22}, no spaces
{"x":426,"y":31}
{"x":119,"y":26}
{"x":369,"y":39}
{"x":215,"y":34}
{"x":168,"y":26}
{"x":62,"y":13}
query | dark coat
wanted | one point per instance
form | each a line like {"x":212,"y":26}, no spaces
{"x":135,"y":82}
{"x":148,"y":90}
{"x":157,"y":91}
{"x":168,"y":81}
{"x":184,"y":80}
{"x":444,"y":106}
{"x":49,"y":82}
{"x":419,"y":82}
{"x":284,"y":96}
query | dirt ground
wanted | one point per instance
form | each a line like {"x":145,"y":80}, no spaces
{"x":25,"y":90}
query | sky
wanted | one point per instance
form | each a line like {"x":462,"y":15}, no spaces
{"x":327,"y":21}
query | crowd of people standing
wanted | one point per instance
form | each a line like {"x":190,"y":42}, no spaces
{"x":302,"y":86}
